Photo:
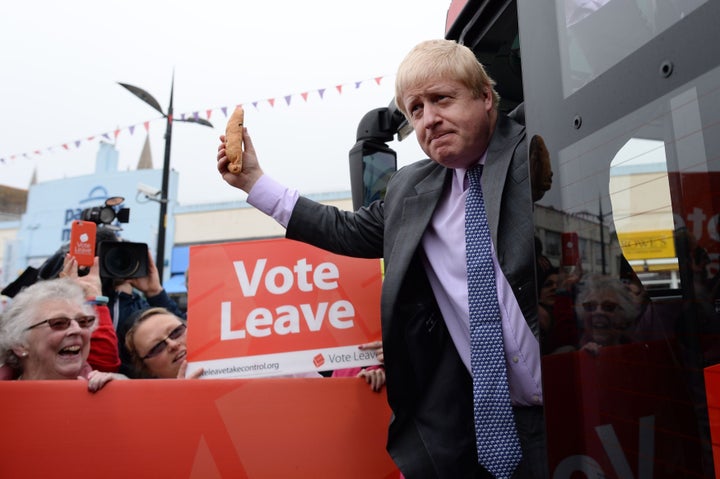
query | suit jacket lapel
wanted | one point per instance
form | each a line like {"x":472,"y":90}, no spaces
{"x":416,"y":214}
{"x":495,"y":171}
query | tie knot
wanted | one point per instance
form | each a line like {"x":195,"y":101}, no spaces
{"x":474,"y":175}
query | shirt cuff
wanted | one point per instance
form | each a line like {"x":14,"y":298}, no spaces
{"x":273,"y":199}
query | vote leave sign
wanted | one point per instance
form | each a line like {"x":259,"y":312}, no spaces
{"x":278,"y":307}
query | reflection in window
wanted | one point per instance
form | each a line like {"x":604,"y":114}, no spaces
{"x":552,"y":243}
{"x":587,"y":49}
{"x":640,"y":197}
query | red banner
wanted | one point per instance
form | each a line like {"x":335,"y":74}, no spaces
{"x":251,"y":428}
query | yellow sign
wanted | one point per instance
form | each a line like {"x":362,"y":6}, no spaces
{"x":647,"y":244}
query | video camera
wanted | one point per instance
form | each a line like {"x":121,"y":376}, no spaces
{"x":118,"y":259}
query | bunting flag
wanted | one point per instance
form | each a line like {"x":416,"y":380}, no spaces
{"x":305,"y":95}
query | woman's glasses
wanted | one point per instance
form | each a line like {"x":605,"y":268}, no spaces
{"x":606,"y":306}
{"x":162,"y":345}
{"x":61,"y":323}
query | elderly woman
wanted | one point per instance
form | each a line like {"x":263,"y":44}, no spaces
{"x":608,"y":312}
{"x":157,"y":343}
{"x":45,"y":334}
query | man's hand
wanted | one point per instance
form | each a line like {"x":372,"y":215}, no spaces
{"x":251,"y":171}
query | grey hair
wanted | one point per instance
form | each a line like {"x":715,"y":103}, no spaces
{"x":596,"y":283}
{"x":25,"y":309}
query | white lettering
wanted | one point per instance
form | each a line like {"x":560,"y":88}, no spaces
{"x":288,"y":320}
{"x":226,"y":331}
{"x":249,"y":287}
{"x":314,"y":321}
{"x":281,"y":279}
{"x":590,"y":467}
{"x":260,"y":322}
{"x":339,"y":310}
{"x":324,"y":273}
{"x":301,"y":270}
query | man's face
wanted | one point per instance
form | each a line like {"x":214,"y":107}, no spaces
{"x":452,"y":127}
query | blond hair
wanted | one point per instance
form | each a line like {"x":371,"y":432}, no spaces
{"x":436,"y":59}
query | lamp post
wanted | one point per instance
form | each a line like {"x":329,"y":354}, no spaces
{"x":600,"y":217}
{"x":162,"y":221}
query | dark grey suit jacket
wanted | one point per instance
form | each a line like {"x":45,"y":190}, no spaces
{"x":429,"y":389}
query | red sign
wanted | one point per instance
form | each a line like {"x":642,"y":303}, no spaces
{"x":273,"y":307}
{"x":246,"y":428}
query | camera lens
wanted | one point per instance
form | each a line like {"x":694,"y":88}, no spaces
{"x":123,"y":259}
{"x":121,"y":262}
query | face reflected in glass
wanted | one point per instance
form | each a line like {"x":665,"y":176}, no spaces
{"x":608,"y":321}
{"x":56,"y":353}
{"x":161,"y":340}
{"x":548,"y":290}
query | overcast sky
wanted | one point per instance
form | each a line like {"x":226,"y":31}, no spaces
{"x":61,"y":61}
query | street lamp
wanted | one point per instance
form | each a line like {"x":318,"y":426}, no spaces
{"x":162,"y":222}
{"x":600,"y":217}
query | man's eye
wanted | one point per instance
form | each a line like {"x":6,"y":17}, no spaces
{"x":415,"y":110}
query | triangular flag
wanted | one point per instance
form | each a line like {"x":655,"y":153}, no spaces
{"x":339,"y":88}
{"x":321,"y":91}
{"x":107,"y":135}
{"x":117,"y":133}
{"x":77,"y":143}
{"x":304,"y":95}
{"x":208,"y":113}
{"x":132,"y":129}
{"x":255,"y":104}
{"x":65,"y":145}
{"x":271,"y":101}
{"x":357,"y":84}
{"x":377,"y":80}
{"x":224,"y":110}
{"x":147,"y":126}
{"x":196,"y":115}
{"x":287,"y":99}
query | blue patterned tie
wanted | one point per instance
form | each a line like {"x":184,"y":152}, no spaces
{"x":497,"y":442}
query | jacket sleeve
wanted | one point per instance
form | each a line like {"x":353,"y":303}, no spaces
{"x":104,"y":355}
{"x":165,"y":301}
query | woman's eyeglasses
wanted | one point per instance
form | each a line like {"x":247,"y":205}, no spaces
{"x":61,"y":323}
{"x":606,"y":306}
{"x":162,"y":345}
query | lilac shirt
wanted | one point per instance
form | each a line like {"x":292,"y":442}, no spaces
{"x":444,"y":246}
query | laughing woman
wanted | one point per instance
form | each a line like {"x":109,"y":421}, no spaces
{"x":45,"y":334}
